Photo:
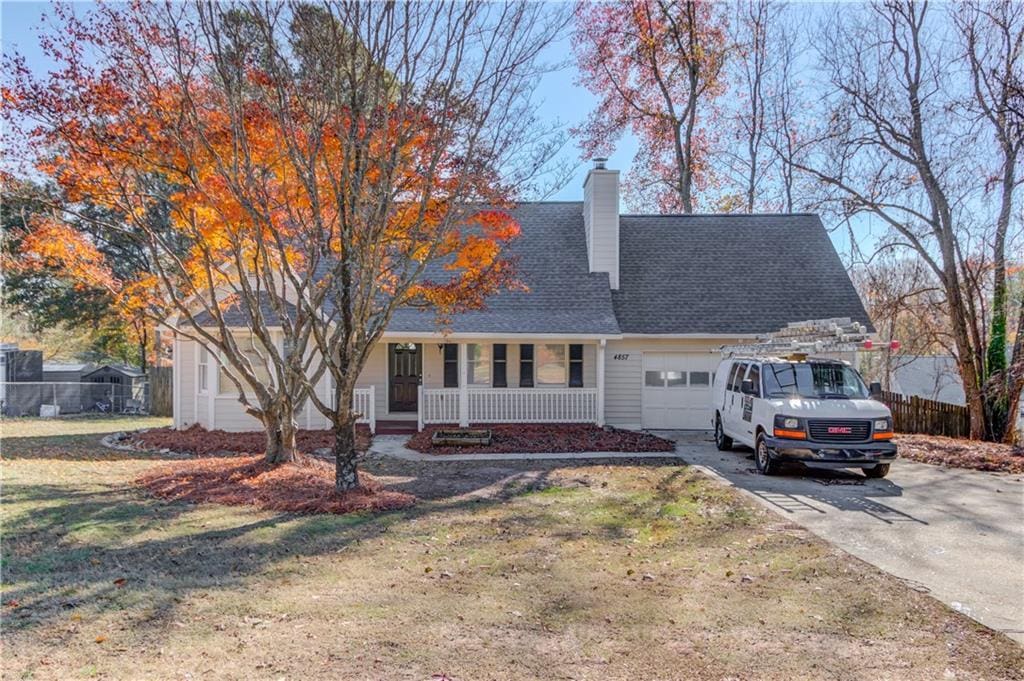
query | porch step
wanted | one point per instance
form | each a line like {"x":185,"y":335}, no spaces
{"x":395,"y":427}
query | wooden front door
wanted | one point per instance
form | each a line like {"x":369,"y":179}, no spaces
{"x":405,"y":367}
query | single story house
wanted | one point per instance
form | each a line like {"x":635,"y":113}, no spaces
{"x":619,"y":325}
{"x":931,"y":377}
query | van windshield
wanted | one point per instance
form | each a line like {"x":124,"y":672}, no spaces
{"x":823,"y":380}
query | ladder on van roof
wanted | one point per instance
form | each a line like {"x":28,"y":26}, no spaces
{"x":814,"y":336}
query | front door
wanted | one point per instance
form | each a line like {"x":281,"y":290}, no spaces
{"x":405,"y":367}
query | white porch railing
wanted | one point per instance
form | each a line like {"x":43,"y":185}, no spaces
{"x":438,"y":405}
{"x":364,"y":403}
{"x":510,"y":405}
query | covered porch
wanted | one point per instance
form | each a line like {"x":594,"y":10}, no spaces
{"x":463,"y":381}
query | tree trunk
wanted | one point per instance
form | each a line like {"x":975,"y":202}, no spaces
{"x":346,"y":476}
{"x":281,"y":441}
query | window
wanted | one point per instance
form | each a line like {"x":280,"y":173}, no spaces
{"x":755,"y":377}
{"x":259,"y":361}
{"x":204,"y":368}
{"x":500,"y":366}
{"x":526,"y":366}
{"x":738,"y":371}
{"x":575,"y":366}
{"x":699,"y":379}
{"x":675,"y":379}
{"x":653,"y":379}
{"x":478,"y":366}
{"x":551,"y":365}
{"x":451,"y":365}
{"x":813,"y":379}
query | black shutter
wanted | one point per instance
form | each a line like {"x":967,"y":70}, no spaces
{"x":451,"y":365}
{"x":575,"y":366}
{"x":526,"y":366}
{"x":499,"y":379}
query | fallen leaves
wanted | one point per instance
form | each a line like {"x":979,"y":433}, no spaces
{"x":198,"y":441}
{"x":306,"y":486}
{"x":960,"y":453}
{"x":546,"y":437}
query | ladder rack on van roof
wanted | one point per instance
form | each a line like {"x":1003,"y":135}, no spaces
{"x":802,"y":339}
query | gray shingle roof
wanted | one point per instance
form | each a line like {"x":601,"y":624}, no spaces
{"x":563,"y":296}
{"x":722,"y":274}
{"x":679,"y":274}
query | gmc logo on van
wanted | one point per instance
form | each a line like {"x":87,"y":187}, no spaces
{"x":840,"y":430}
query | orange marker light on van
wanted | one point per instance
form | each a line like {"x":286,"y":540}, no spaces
{"x":790,"y":434}
{"x":884,"y":435}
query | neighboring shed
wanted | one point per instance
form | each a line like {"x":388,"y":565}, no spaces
{"x":66,"y":372}
{"x":67,"y":389}
{"x":116,"y":384}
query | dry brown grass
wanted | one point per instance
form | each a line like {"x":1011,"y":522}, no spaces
{"x":643,"y":569}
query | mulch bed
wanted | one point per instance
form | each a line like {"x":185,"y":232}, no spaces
{"x":303,"y":487}
{"x":957,"y":453}
{"x":554,"y":438}
{"x":201,"y":442}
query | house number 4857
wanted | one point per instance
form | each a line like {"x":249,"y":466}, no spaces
{"x":621,"y":357}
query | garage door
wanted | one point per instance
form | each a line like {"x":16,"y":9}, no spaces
{"x":677,"y":390}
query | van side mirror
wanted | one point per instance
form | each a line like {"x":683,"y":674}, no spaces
{"x":875,"y":389}
{"x":747,"y":387}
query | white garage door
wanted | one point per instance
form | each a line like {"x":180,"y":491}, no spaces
{"x":677,"y":390}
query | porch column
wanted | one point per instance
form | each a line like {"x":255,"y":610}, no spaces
{"x":463,"y":387}
{"x":600,"y":382}
{"x":176,"y":369}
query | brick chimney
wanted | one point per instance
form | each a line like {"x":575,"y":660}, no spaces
{"x":601,"y":220}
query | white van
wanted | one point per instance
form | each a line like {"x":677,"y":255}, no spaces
{"x":817,"y":412}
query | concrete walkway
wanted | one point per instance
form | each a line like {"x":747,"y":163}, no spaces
{"x":394,"y":445}
{"x":956,"y":534}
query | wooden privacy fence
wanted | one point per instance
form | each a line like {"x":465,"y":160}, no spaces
{"x":918,"y":415}
{"x":161,"y":391}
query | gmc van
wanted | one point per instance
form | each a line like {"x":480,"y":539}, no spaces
{"x":817,"y":412}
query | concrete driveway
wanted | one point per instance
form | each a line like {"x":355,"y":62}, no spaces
{"x":956,"y":534}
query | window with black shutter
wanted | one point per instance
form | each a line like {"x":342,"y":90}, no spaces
{"x":526,"y":366}
{"x":499,"y":378}
{"x":451,"y":365}
{"x":575,"y":366}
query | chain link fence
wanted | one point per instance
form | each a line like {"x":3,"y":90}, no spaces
{"x":52,"y":398}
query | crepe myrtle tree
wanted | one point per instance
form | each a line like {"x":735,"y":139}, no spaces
{"x":135,"y":120}
{"x":396,"y":123}
{"x":318,"y":165}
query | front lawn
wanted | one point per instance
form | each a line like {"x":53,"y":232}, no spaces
{"x":517,"y":570}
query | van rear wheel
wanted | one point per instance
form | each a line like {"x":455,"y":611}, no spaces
{"x":763,"y":458}
{"x":722,"y":441}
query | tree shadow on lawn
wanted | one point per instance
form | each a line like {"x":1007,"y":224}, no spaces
{"x":80,"y":548}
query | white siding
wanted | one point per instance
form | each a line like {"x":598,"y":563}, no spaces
{"x":624,"y":373}
{"x":601,"y":222}
{"x":229,"y":414}
{"x":185,"y":367}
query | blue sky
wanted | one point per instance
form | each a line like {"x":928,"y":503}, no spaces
{"x":559,"y":97}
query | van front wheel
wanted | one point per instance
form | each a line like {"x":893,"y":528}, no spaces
{"x":722,"y":441}
{"x":763,"y":458}
{"x":879,"y":471}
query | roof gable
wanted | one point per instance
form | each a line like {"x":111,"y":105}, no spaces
{"x":729,"y":274}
